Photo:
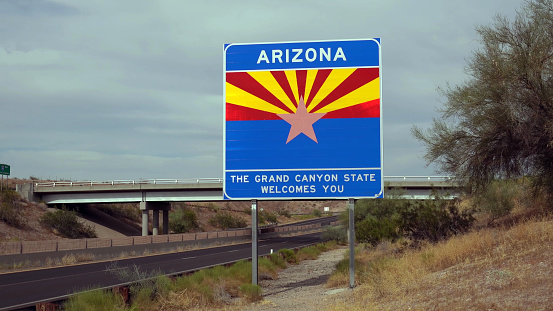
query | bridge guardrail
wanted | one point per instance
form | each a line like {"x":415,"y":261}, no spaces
{"x":418,"y":178}
{"x":201,"y":180}
{"x":129,"y":182}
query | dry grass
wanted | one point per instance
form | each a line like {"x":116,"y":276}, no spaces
{"x":490,"y":269}
{"x":70,"y":259}
{"x":67,"y":259}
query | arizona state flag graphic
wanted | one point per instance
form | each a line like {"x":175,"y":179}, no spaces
{"x":312,"y":131}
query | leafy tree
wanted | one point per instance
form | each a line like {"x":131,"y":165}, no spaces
{"x":499,"y":123}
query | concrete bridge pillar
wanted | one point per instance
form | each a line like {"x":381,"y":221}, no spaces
{"x":165,"y":221}
{"x":155,"y":222}
{"x":155,"y":207}
{"x":144,"y":221}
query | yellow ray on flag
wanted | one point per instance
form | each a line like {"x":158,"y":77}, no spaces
{"x":335,"y":78}
{"x":242,"y":98}
{"x":310,"y":79}
{"x":365,"y":93}
{"x":293,"y":81}
{"x":269,"y":82}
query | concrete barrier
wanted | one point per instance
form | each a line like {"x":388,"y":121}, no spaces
{"x":98,"y":243}
{"x":10,"y":248}
{"x":39,"y":246}
{"x":23,"y":247}
{"x":240,"y":233}
{"x":189,"y":236}
{"x":123,"y":241}
{"x":175,"y":237}
{"x":139,"y":240}
{"x":160,"y":239}
{"x":68,"y":245}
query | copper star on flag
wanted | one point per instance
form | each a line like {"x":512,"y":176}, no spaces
{"x":301,"y":122}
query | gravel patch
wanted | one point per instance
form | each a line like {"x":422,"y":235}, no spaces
{"x":302,"y":286}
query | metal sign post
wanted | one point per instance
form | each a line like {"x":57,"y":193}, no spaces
{"x":4,"y":170}
{"x":254,"y":243}
{"x":351,"y":205}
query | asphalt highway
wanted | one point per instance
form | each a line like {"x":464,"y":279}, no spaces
{"x":26,"y":288}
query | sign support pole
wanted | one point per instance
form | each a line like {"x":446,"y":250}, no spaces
{"x":254,"y":242}
{"x":351,"y":205}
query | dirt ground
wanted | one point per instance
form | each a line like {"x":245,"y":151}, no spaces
{"x":31,"y":230}
{"x":302,"y":286}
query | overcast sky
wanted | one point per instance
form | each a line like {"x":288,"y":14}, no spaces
{"x":102,"y":90}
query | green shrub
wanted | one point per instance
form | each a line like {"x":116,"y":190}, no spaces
{"x":183,"y":220}
{"x":434,"y":220}
{"x":261,"y":218}
{"x":241,"y":270}
{"x":288,"y":255}
{"x":284,"y":212}
{"x":94,"y":300}
{"x":145,"y":285}
{"x":498,"y":198}
{"x":67,"y":224}
{"x":163,"y":285}
{"x":310,"y":252}
{"x":391,"y":218}
{"x":226,"y":221}
{"x":268,"y":217}
{"x":10,"y":209}
{"x":142,"y":298}
{"x":277,"y":260}
{"x":266,"y":265}
{"x":372,"y":230}
{"x":335,"y":233}
{"x":317,"y":213}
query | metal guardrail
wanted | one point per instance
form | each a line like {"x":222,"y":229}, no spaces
{"x":130,"y":182}
{"x":418,"y":178}
{"x":201,"y":180}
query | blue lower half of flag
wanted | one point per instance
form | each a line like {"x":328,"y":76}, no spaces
{"x":342,"y":143}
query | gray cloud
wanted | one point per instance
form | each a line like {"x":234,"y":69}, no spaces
{"x":133,"y":89}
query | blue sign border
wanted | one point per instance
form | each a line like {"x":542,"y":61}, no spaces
{"x":301,"y":183}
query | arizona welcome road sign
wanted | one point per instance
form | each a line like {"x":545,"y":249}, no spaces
{"x":303,"y":120}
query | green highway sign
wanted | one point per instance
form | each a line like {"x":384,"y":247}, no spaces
{"x":4,"y":169}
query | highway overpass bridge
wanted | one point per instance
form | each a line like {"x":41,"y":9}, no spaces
{"x":156,"y":194}
{"x":190,"y":190}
